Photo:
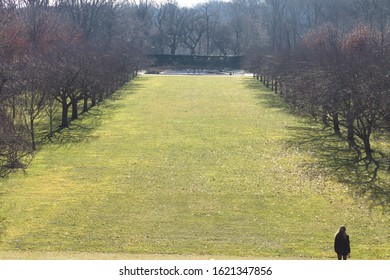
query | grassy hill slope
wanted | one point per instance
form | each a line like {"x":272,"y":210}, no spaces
{"x":193,"y":166}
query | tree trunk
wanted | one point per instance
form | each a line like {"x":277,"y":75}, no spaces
{"x":351,"y":134}
{"x":74,"y":109}
{"x":32,"y":133}
{"x":50,"y":125}
{"x":336,"y":123}
{"x":101,"y":97}
{"x":281,"y":92}
{"x":351,"y":140}
{"x":93,"y":100}
{"x":85,"y":105}
{"x":13,"y":106}
{"x":65,"y":108}
{"x":367,"y":148}
{"x":325,"y":120}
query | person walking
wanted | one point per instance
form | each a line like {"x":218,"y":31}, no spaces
{"x":341,"y":244}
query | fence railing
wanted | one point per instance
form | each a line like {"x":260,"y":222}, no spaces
{"x":195,"y":61}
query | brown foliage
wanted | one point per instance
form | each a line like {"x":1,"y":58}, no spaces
{"x":361,"y":42}
{"x":323,"y":44}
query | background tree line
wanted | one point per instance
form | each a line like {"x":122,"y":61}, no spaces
{"x":331,"y":60}
{"x":210,"y":28}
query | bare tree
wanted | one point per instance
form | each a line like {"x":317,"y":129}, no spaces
{"x":211,"y":14}
{"x":15,"y":150}
{"x":247,"y":27}
{"x":276,"y":14}
{"x":195,"y":27}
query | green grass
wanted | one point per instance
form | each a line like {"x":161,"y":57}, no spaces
{"x":184,"y":167}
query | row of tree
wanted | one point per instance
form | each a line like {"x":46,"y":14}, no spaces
{"x":55,"y":56}
{"x":339,"y":72}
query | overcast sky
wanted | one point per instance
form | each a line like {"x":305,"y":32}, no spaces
{"x":189,"y":3}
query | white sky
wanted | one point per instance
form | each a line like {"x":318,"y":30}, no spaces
{"x":189,"y":3}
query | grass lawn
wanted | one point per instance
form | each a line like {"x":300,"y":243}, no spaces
{"x":184,"y":167}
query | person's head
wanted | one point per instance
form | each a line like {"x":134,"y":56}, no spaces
{"x":342,"y":229}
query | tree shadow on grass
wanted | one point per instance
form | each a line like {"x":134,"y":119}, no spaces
{"x":267,"y":96}
{"x":81,"y":129}
{"x":330,"y":154}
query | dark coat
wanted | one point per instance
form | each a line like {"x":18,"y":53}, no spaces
{"x":341,"y":244}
